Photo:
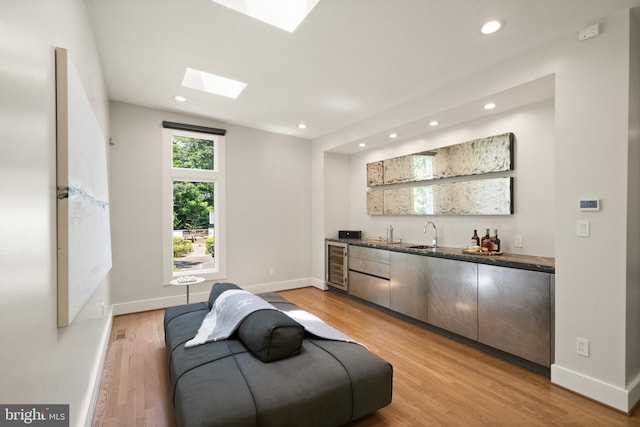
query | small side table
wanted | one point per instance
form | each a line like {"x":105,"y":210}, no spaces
{"x":195,"y":281}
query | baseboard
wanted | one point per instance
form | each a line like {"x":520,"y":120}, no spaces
{"x":150,"y":304}
{"x":607,"y":394}
{"x":284,"y":286}
{"x":104,"y":344}
{"x":634,"y":394}
{"x":164,"y":302}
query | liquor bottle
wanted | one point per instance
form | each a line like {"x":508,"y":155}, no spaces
{"x":475,"y":240}
{"x":496,"y":241}
{"x":485,"y":242}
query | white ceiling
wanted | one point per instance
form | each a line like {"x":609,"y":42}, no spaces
{"x":349,"y":60}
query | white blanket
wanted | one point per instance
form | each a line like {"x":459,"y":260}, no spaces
{"x":228,"y":311}
{"x":234,"y":305}
{"x":314,"y":325}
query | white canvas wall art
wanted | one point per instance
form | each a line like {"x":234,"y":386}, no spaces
{"x":84,"y":233}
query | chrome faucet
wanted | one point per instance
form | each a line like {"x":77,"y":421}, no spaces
{"x":435,"y":234}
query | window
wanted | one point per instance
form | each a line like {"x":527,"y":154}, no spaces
{"x":193,"y":204}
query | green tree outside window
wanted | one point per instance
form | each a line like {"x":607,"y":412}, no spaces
{"x":192,"y":201}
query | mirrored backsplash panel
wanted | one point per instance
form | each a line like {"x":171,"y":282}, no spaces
{"x":485,"y":155}
{"x":408,"y":190}
{"x":491,"y":196}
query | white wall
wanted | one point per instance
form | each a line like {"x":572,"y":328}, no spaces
{"x":268,"y":209}
{"x":39,"y":363}
{"x":633,"y":202}
{"x":596,"y":291}
{"x":337,"y":197}
{"x":534,"y":177}
{"x":592,"y":130}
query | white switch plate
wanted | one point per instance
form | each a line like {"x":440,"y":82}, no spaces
{"x":582,"y":228}
{"x":518,"y":241}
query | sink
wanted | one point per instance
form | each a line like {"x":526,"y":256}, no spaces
{"x":421,"y":247}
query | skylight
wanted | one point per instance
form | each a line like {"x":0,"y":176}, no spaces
{"x":284,"y":14}
{"x":211,"y":83}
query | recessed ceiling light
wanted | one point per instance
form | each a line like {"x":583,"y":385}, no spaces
{"x":284,"y":14}
{"x":491,"y":27}
{"x":489,"y":106}
{"x":302,"y":126}
{"x":179,"y":98}
{"x":211,"y":83}
{"x":393,"y":135}
{"x":434,"y":123}
{"x":362,"y":144}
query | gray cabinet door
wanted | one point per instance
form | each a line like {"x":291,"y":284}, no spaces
{"x":514,"y":312}
{"x":408,"y":291}
{"x":369,"y":288}
{"x":453,"y":296}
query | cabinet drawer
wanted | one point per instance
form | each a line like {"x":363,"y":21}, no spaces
{"x":369,"y":267}
{"x":369,"y":288}
{"x":369,"y":254}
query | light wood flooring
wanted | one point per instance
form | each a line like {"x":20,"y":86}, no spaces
{"x":437,"y":381}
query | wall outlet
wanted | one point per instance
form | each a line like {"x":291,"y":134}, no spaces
{"x":582,"y":347}
{"x":272,"y":271}
{"x":102,"y":309}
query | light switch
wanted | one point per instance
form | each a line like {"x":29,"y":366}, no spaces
{"x":582,"y":229}
{"x":518,"y":241}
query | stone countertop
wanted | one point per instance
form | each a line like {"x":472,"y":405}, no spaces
{"x":523,"y":262}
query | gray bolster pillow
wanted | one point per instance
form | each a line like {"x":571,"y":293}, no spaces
{"x":219,"y":288}
{"x":271,"y":335}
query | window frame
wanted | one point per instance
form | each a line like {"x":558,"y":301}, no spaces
{"x":216,"y":176}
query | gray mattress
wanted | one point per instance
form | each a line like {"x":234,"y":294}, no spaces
{"x":329,"y":383}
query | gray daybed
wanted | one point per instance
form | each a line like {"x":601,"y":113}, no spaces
{"x":270,"y":372}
